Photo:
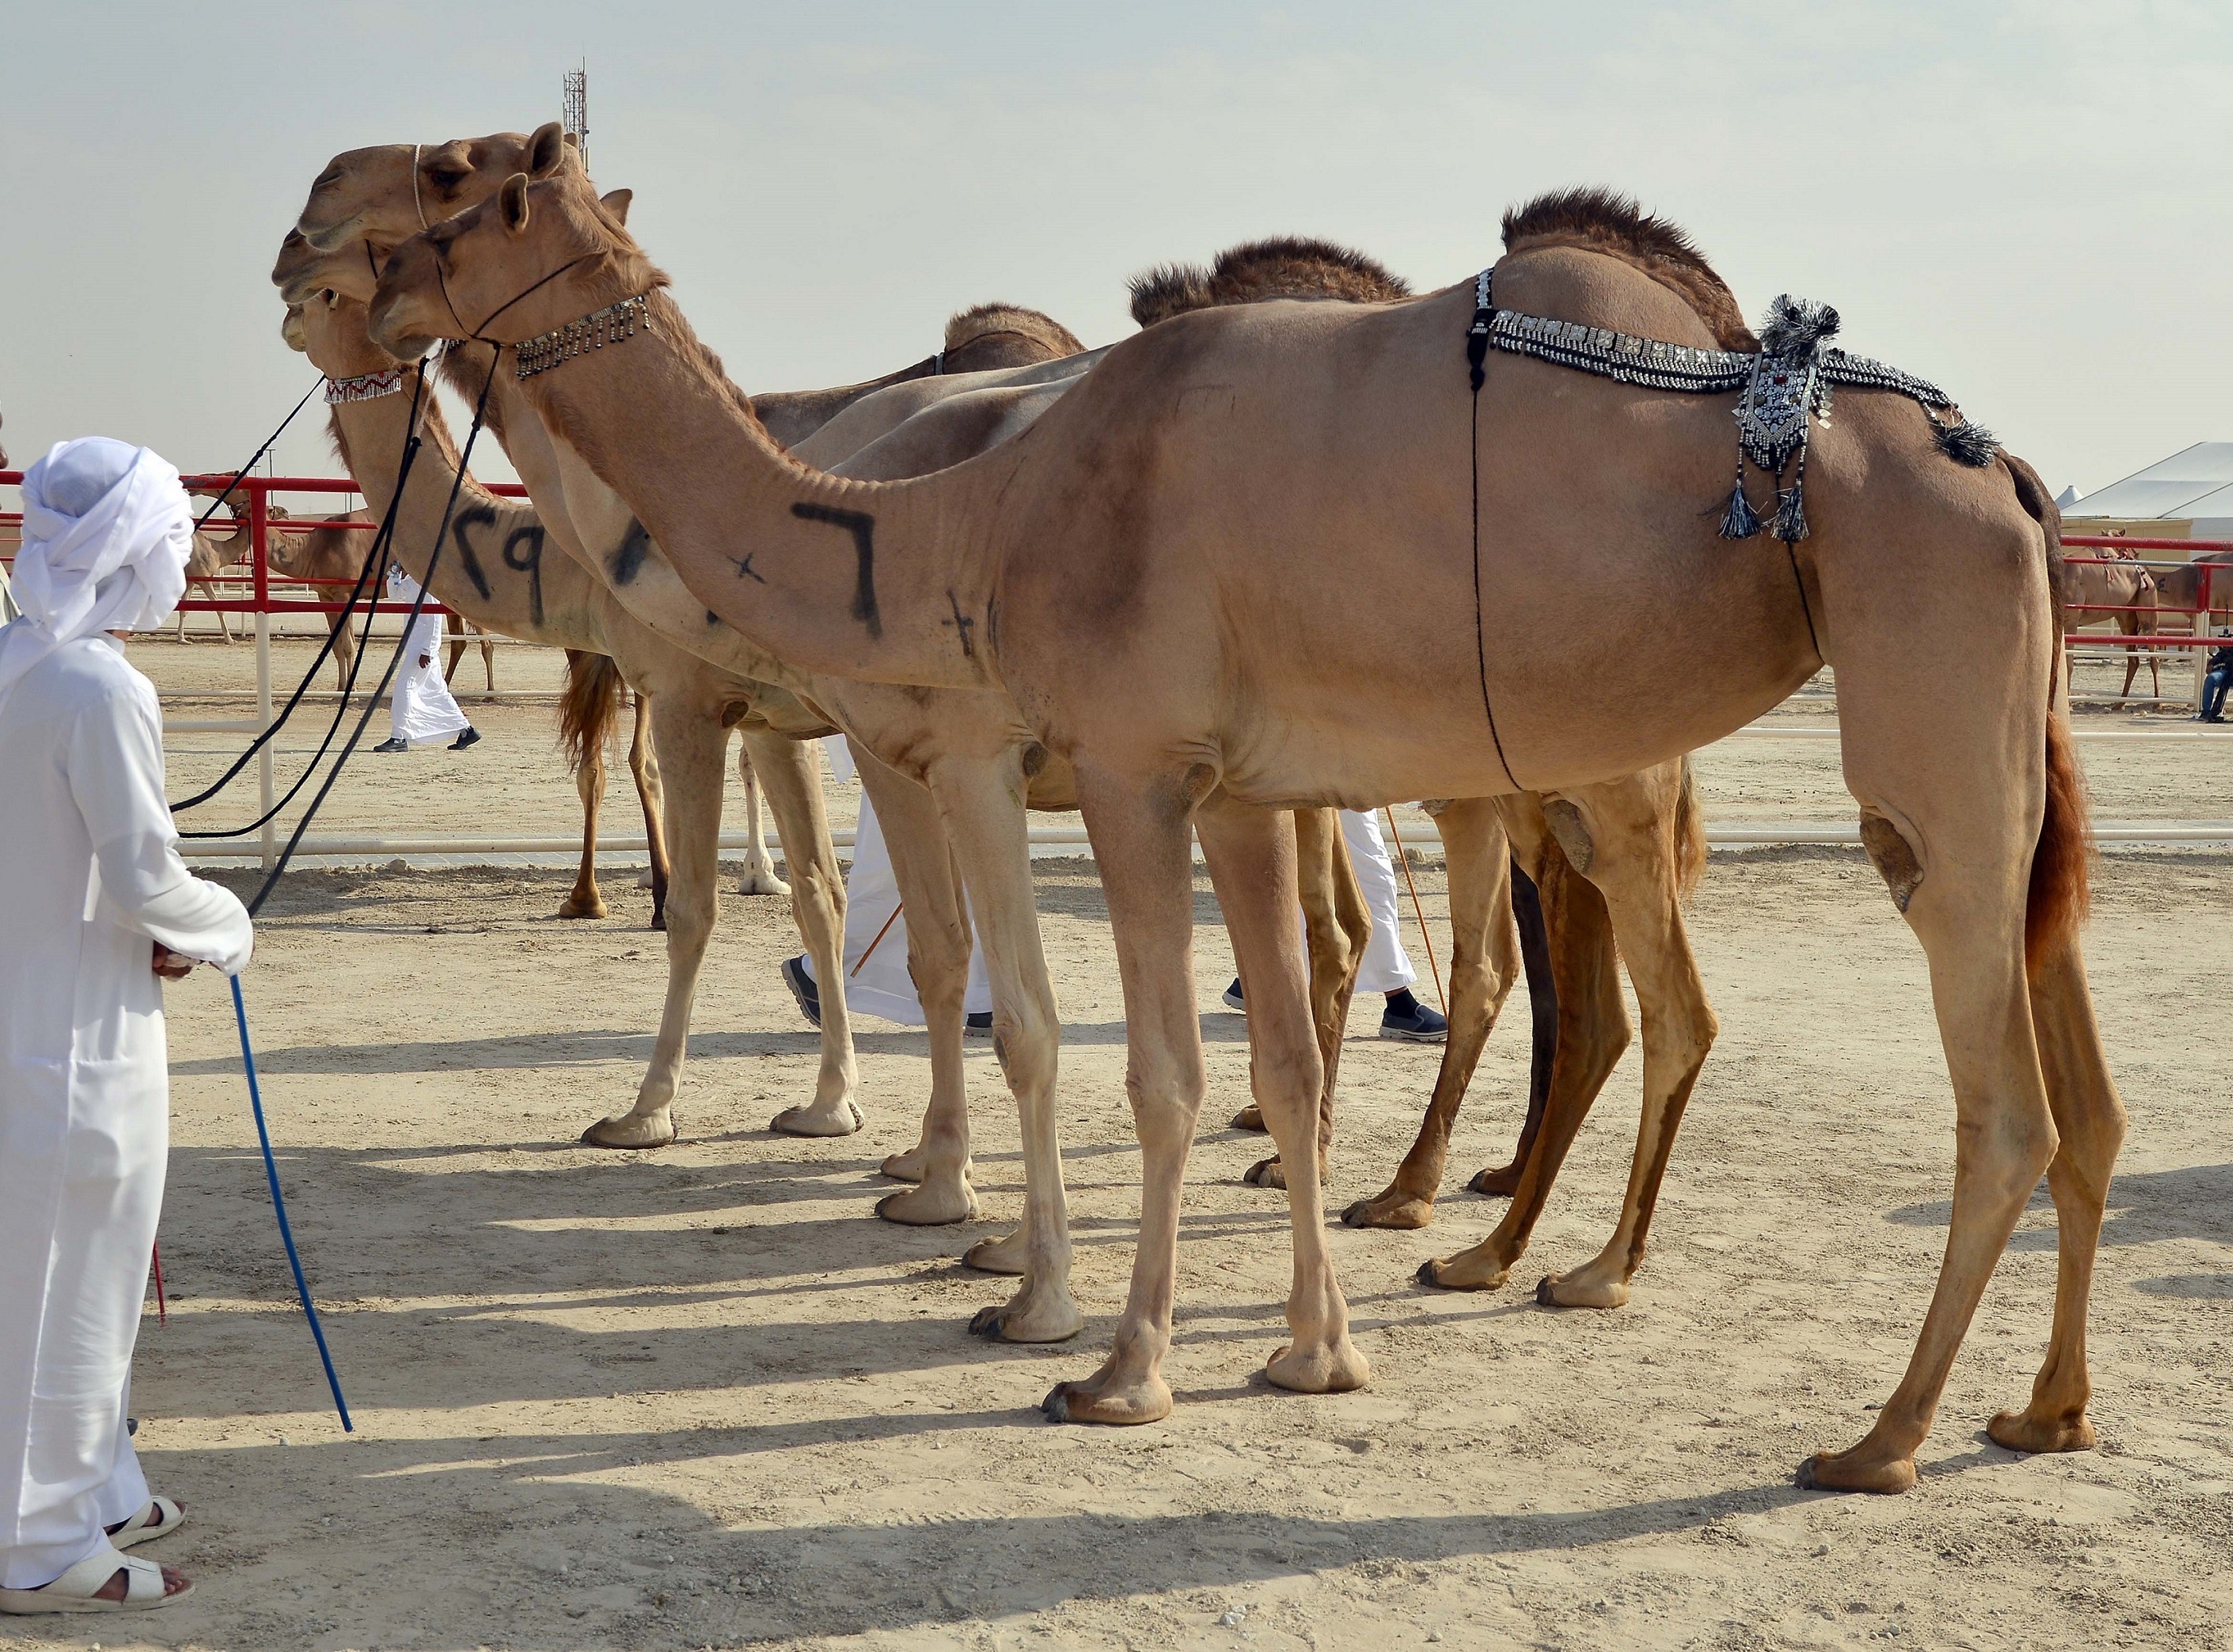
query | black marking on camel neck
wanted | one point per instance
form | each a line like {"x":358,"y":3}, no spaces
{"x":628,"y":559}
{"x":862,"y":527}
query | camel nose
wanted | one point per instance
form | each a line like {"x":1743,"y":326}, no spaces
{"x":326,"y":180}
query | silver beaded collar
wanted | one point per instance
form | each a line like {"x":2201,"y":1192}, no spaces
{"x":610,"y":325}
{"x":366,"y":387}
{"x":1786,"y":383}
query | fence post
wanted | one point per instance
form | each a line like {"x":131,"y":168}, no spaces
{"x":2201,"y":656}
{"x":259,"y":519}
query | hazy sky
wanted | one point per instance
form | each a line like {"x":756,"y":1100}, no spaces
{"x":2026,"y":203}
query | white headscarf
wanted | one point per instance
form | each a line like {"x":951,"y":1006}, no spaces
{"x":106,"y":529}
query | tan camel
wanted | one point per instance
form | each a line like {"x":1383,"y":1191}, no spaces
{"x":2116,"y":581}
{"x":1166,"y":573}
{"x":981,"y":763}
{"x":494,"y":569}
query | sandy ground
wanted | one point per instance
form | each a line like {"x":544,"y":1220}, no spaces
{"x":703,"y":1398}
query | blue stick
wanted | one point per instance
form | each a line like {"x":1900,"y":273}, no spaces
{"x":279,"y":1207}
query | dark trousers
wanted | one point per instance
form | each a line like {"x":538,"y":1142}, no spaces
{"x":2214,"y":685}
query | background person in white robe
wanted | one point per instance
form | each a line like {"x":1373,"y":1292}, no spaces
{"x":95,"y":904}
{"x":1386,"y":967}
{"x":423,"y":708}
{"x":881,"y":987}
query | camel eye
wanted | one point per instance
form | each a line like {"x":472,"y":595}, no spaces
{"x":446,"y":179}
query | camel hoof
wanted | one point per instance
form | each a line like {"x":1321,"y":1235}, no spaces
{"x":1265,"y":1172}
{"x":1003,"y":1255}
{"x":574,"y":909}
{"x":629,"y":1131}
{"x":1849,"y":1471}
{"x":903,"y":1167}
{"x":1011,"y":1322}
{"x":1336,"y":1367}
{"x":1427,"y":1276}
{"x":1496,"y":1184}
{"x":927,"y":1207}
{"x":659,"y":921}
{"x":2021,"y":1431}
{"x":1576,"y":1290}
{"x":1391,"y":1210}
{"x":762,"y":883}
{"x":1445,"y":1276}
{"x":842,"y":1120}
{"x":1250,"y":1117}
{"x":1082,"y":1402}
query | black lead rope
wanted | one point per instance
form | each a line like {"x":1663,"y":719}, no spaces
{"x":372,"y":701}
{"x":256,"y":455}
{"x":380,"y":543}
{"x":1484,"y":315}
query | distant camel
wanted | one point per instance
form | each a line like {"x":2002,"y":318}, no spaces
{"x":2119,"y":583}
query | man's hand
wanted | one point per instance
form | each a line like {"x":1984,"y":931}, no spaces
{"x":170,"y":966}
{"x":424,"y":661}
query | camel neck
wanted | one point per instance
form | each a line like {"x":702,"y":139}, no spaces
{"x":875,"y":582}
{"x":493,"y":569}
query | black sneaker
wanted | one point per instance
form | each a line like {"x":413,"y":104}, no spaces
{"x":1233,"y":998}
{"x":471,"y":736}
{"x":392,"y":745}
{"x":978,"y":1024}
{"x":1419,"y":1025}
{"x":802,"y":988}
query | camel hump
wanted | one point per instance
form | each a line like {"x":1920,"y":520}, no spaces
{"x":1604,"y":220}
{"x":982,"y":321}
{"x":1283,"y":266}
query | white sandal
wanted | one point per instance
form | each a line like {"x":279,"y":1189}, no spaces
{"x":76,"y":1589}
{"x":159,"y":1520}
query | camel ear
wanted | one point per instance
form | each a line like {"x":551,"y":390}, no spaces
{"x":617,"y":203}
{"x":546,"y":149}
{"x":511,"y":202}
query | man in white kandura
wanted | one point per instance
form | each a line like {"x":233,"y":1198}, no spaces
{"x":423,"y":708}
{"x":876,"y":978}
{"x":94,"y":906}
{"x":1387,"y":968}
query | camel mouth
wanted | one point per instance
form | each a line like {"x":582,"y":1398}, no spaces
{"x":296,"y":288}
{"x":328,"y":238}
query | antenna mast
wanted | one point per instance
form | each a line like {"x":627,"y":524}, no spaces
{"x":575,"y":116}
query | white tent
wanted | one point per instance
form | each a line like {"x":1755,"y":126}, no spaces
{"x":2194,"y":486}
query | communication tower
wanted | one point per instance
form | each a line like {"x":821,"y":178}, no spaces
{"x":576,"y":113}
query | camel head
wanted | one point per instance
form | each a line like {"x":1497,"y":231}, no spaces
{"x":537,"y":255}
{"x":390,"y":191}
{"x":351,"y":269}
{"x":334,"y":334}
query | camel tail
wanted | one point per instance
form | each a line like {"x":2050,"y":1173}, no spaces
{"x":588,"y":706}
{"x":2062,"y":861}
{"x":1689,"y":836}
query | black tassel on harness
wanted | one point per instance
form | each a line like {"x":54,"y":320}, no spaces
{"x":1790,"y":516}
{"x":1796,"y":326}
{"x":1740,"y":521}
{"x":1967,"y":444}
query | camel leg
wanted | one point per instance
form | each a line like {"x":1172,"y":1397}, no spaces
{"x":344,"y":648}
{"x":651,"y":796}
{"x":584,"y":901}
{"x":1336,"y":928}
{"x":1483,"y":961}
{"x":1626,"y":820}
{"x":1592,"y":1033}
{"x":488,"y":659}
{"x":454,"y":627}
{"x":1543,"y":1032}
{"x":2129,"y":626}
{"x":991,"y":842}
{"x":938,"y":962}
{"x":791,"y":771}
{"x":2089,"y":1120}
{"x":760,"y":871}
{"x":1250,"y":853}
{"x":1141,"y":844}
{"x":695,"y":744}
{"x":1952,"y":825}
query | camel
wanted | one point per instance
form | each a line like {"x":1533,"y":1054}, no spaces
{"x":494,"y":569}
{"x":981,"y":763}
{"x":2117,"y":581}
{"x":1165,"y":574}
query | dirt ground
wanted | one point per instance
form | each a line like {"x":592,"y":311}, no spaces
{"x":703,"y":1398}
